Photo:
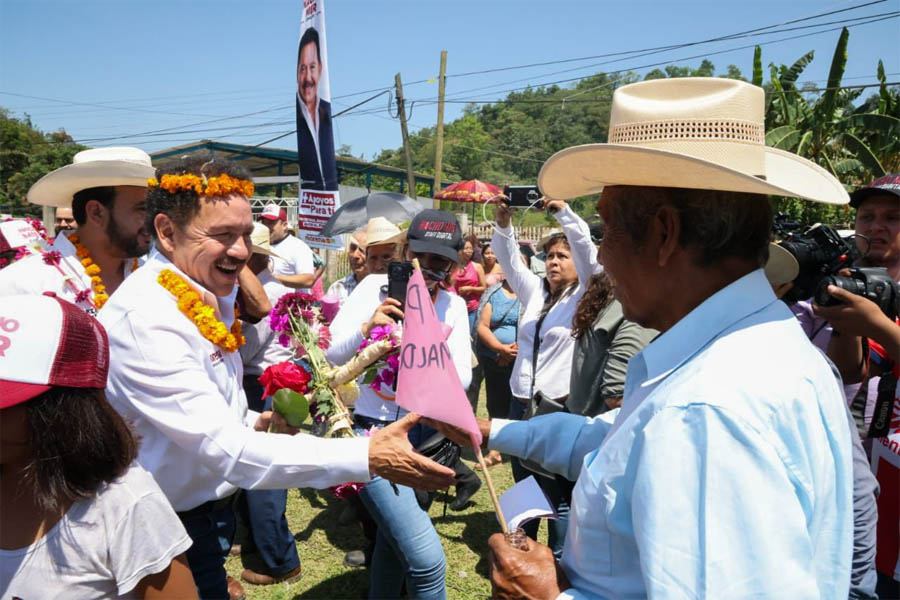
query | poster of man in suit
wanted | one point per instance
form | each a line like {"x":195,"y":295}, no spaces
{"x":315,"y":140}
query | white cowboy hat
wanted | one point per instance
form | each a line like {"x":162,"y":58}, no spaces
{"x":781,"y":267}
{"x":703,"y":133}
{"x":98,"y":167}
{"x":259,"y":240}
{"x":381,"y":231}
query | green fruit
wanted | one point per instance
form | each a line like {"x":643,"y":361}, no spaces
{"x":291,"y":405}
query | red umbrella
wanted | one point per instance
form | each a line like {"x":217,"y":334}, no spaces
{"x":468,"y":191}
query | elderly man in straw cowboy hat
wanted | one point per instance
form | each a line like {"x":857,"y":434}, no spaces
{"x":176,"y":374}
{"x":106,"y":189}
{"x":727,"y":470}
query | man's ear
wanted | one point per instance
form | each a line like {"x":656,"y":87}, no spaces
{"x":96,"y":213}
{"x":667,"y":223}
{"x":165,"y":232}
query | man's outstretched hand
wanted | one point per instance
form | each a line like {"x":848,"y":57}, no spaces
{"x":460,"y":435}
{"x":524,"y":574}
{"x":392,"y":456}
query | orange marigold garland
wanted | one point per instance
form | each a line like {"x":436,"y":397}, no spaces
{"x":93,"y":271}
{"x":202,"y":314}
{"x":220,"y":185}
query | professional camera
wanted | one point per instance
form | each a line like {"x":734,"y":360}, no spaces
{"x":820,"y":252}
{"x":872,"y":283}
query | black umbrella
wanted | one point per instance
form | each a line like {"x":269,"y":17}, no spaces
{"x":354,"y":215}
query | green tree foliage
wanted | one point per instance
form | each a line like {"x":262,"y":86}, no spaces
{"x":856,"y":142}
{"x":27,"y":154}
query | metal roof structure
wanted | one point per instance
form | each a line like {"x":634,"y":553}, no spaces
{"x":275,"y":163}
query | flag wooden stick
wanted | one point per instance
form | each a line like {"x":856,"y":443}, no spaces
{"x":490,"y":485}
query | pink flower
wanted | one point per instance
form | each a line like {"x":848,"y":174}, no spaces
{"x":346,"y":490}
{"x":82,"y":296}
{"x":324,"y":340}
{"x":52,"y":257}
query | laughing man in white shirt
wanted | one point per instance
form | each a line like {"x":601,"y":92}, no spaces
{"x":106,"y":189}
{"x":182,"y":391}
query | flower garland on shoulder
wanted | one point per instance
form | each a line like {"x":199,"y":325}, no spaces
{"x":220,"y":185}
{"x":92,"y":270}
{"x":200,"y":313}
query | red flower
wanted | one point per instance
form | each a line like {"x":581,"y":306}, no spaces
{"x":284,"y":375}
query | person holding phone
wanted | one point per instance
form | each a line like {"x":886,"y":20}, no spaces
{"x":407,"y":545}
{"x":543,"y":362}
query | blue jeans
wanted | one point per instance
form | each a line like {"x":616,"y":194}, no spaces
{"x":211,"y":534}
{"x":406,"y":545}
{"x":268,"y":546}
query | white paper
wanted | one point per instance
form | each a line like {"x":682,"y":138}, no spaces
{"x":525,"y":501}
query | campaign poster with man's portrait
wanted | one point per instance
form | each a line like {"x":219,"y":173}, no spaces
{"x":315,"y":140}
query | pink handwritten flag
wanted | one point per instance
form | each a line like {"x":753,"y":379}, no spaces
{"x":428,"y":383}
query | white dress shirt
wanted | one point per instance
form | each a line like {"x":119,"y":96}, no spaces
{"x":32,"y":275}
{"x":296,"y":258}
{"x":261,"y":348}
{"x":727,"y":472}
{"x":184,"y":398}
{"x":346,"y":336}
{"x":554,"y":361}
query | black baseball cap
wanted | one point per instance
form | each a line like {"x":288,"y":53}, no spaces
{"x":887,"y":184}
{"x":435,"y":232}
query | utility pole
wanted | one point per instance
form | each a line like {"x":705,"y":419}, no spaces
{"x":401,"y":108}
{"x":439,"y":138}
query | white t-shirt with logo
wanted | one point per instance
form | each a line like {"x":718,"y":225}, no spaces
{"x":102,"y":547}
{"x":296,"y":257}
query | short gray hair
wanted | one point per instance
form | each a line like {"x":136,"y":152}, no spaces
{"x":714,"y":224}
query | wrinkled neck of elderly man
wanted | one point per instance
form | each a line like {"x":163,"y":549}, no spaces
{"x":669,"y":249}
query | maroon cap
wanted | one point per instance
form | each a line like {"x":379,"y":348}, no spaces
{"x":887,"y":184}
{"x":46,"y":342}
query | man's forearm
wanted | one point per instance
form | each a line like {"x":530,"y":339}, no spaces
{"x":304,"y":280}
{"x":846,"y":351}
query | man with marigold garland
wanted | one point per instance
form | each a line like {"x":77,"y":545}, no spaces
{"x":106,"y":189}
{"x":176,"y":375}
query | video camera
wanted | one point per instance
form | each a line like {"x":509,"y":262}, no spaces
{"x":820,"y":252}
{"x":872,"y":283}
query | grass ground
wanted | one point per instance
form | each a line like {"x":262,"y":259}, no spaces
{"x":322,"y":542}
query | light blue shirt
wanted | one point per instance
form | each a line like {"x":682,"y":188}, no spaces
{"x":726,"y":473}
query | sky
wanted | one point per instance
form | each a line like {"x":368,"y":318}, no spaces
{"x":158,"y":73}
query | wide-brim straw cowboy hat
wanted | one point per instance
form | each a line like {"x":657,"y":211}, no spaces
{"x":781,"y":267}
{"x":381,"y":231}
{"x":259,"y":240}
{"x":98,"y":167}
{"x":698,"y":133}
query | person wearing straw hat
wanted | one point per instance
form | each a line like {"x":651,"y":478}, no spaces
{"x":727,"y":470}
{"x":175,"y":373}
{"x":356,"y":258}
{"x":106,"y":189}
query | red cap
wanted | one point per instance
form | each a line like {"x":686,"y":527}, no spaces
{"x":46,"y":342}
{"x":274,"y":213}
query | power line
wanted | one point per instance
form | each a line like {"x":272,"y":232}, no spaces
{"x":667,"y":62}
{"x":670,"y":47}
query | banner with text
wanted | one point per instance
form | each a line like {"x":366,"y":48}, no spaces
{"x":319,"y":196}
